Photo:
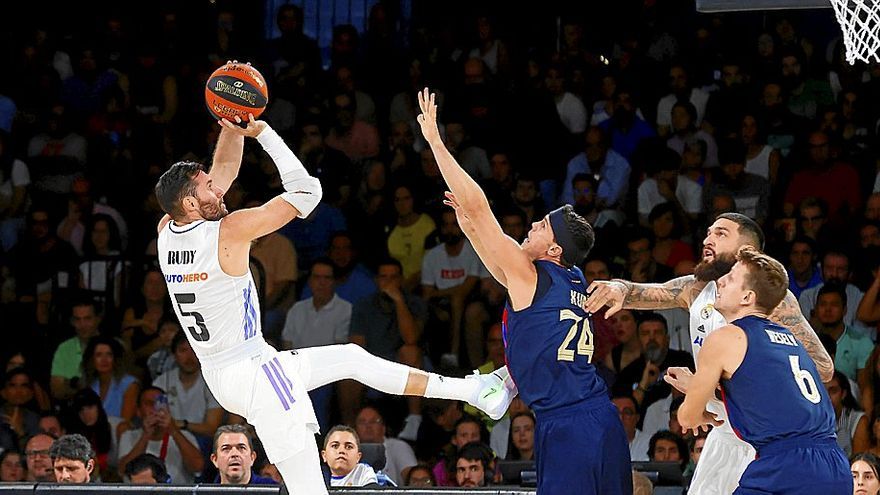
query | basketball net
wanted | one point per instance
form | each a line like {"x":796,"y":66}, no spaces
{"x":860,"y":22}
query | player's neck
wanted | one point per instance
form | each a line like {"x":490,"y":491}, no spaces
{"x":739,"y":314}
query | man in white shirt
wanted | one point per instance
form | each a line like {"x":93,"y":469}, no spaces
{"x":450,"y":272}
{"x":161,"y":437}
{"x":666,"y":184}
{"x":190,"y":402}
{"x":835,"y":266}
{"x":399,"y":456}
{"x":681,"y":90}
{"x":323,"y":319}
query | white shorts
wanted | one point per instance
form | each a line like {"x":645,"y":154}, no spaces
{"x":722,"y":462}
{"x":269,"y":390}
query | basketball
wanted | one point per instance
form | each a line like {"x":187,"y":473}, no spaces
{"x":236,"y":89}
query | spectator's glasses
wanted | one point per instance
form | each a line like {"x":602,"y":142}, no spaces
{"x":36,"y":453}
{"x":627,"y":412}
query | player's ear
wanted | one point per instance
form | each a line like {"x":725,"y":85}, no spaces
{"x":748,"y":298}
{"x":555,"y":250}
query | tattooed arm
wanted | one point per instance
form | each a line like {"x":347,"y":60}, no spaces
{"x":788,"y":314}
{"x":618,"y":294}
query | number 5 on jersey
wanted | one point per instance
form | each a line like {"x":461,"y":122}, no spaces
{"x":585,"y":341}
{"x":201,"y":334}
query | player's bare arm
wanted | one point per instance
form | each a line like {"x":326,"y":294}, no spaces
{"x":722,"y":353}
{"x":620,"y":294}
{"x":788,"y":314}
{"x":519,"y":274}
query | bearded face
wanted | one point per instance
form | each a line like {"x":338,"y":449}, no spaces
{"x":714,"y":268}
{"x":212,"y":209}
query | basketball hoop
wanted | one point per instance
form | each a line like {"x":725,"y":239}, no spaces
{"x":860,"y":22}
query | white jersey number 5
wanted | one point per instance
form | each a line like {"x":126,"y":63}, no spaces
{"x":805,"y":380}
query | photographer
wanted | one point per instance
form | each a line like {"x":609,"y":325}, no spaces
{"x":160,"y":436}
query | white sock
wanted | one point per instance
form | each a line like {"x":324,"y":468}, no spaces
{"x":444,"y":387}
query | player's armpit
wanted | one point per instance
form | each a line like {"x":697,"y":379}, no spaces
{"x":788,"y":314}
{"x":677,"y":293}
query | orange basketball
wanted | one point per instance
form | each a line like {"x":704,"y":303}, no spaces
{"x":236,"y":89}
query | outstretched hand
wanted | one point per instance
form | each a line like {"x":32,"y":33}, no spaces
{"x":428,"y":118}
{"x":464,"y":222}
{"x":253,"y":129}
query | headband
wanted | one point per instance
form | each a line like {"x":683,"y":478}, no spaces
{"x":571,"y":253}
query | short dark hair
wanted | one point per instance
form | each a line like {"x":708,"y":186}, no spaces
{"x":646,"y":316}
{"x":672,"y":437}
{"x":242,"y":429}
{"x":179,"y":338}
{"x":323,"y":260}
{"x":747,"y":227}
{"x":148,"y":389}
{"x":476,"y":451}
{"x":833,"y":287}
{"x":175,"y":184}
{"x":389,"y":261}
{"x":343,"y":428}
{"x":20,"y":370}
{"x":148,"y":461}
{"x":581,"y":233}
{"x":72,"y":446}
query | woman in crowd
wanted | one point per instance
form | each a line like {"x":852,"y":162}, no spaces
{"x":12,"y":466}
{"x":104,"y":372}
{"x":88,"y":418}
{"x":865,"y":468}
{"x":623,"y":359}
{"x":667,"y":227}
{"x":406,"y":242}
{"x":521,"y":445}
{"x":852,"y":425}
{"x":140,"y":322}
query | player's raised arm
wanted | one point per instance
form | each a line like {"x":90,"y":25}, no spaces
{"x":301,"y":195}
{"x":490,"y":242}
{"x":621,"y":294}
{"x":723,"y":351}
{"x":788,"y":314}
{"x":227,"y":154}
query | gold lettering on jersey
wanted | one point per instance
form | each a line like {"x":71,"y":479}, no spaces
{"x":248,"y":96}
{"x":578,"y":299}
{"x":781,"y":338}
{"x":186,"y":277}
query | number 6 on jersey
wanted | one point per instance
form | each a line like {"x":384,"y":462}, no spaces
{"x":584,"y":343}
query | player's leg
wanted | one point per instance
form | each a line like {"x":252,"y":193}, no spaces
{"x":491,"y":393}
{"x":302,"y":471}
{"x":722,"y":463}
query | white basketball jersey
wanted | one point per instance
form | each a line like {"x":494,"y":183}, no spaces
{"x":705,"y":320}
{"x":218,"y":312}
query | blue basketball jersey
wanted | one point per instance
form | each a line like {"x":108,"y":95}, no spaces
{"x":549,"y":345}
{"x":776,"y":393}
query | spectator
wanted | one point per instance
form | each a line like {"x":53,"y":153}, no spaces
{"x":467,"y":429}
{"x":569,"y":107}
{"x":141,"y":321}
{"x":12,"y":467}
{"x":18,"y":403}
{"x":726,"y":104}
{"x":39,"y":463}
{"x":835,"y":268}
{"x":355,"y":138}
{"x":146,"y":469}
{"x":803,"y":271}
{"x":88,"y":418}
{"x":474,"y":465}
{"x":805,"y":96}
{"x":642,"y":485}
{"x":657,"y":357}
{"x":322,"y":319}
{"x":353,"y":280}
{"x":853,"y":348}
{"x":104,"y":371}
{"x":388,"y":324}
{"x":268,"y":470}
{"x":277,"y":257}
{"x":623,"y":359}
{"x":750,"y":192}
{"x":681,"y":90}
{"x":17,"y":359}
{"x":472,"y":158}
{"x":190,"y":403}
{"x":103,"y":271}
{"x":866,"y":473}
{"x":14,"y":184}
{"x":521,"y":444}
{"x":311,"y":235}
{"x":406,"y":241}
{"x":525,"y":196}
{"x":685,"y":131}
{"x":73,"y":459}
{"x":852,"y":425}
{"x":666,"y":446}
{"x":342,"y":453}
{"x":68,"y":357}
{"x":629,"y":415}
{"x":49,"y":423}
{"x":233,"y":455}
{"x":640,"y":264}
{"x":399,"y":456}
{"x":450,"y":273}
{"x":162,"y":359}
{"x":664,"y":183}
{"x":666,"y":225}
{"x":761,"y":158}
{"x":161,"y":435}
{"x":835,"y":182}
{"x":813,"y":220}
{"x":610,"y":167}
{"x":294,"y":57}
{"x":419,"y":476}
{"x":626,"y":128}
{"x":81,"y":207}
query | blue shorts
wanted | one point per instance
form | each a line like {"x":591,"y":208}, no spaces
{"x":802,"y":467}
{"x":582,"y":449}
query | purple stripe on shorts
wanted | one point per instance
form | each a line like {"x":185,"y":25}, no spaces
{"x":289,"y":383}
{"x":275,"y":386}
{"x":281,"y":382}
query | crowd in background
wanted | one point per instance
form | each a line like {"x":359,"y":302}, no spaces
{"x":650,"y":119}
